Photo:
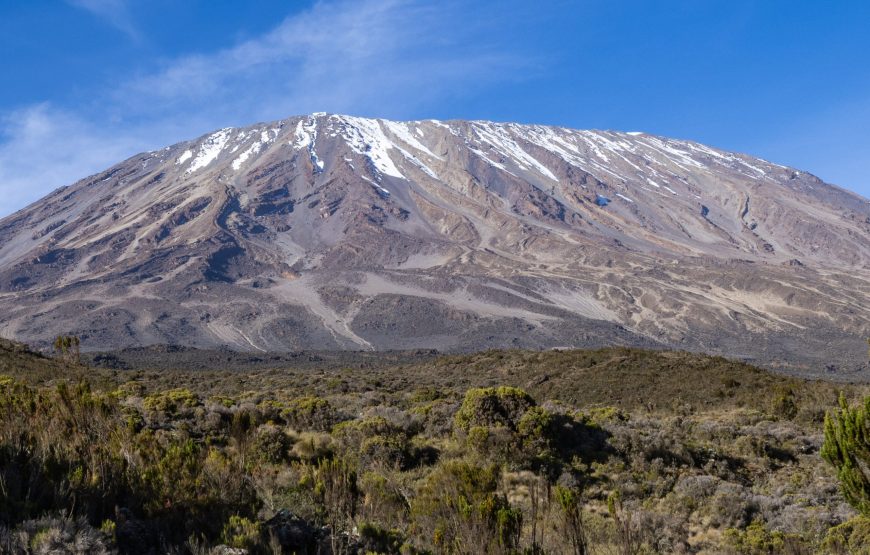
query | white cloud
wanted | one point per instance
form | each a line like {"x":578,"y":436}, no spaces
{"x":376,"y":56}
{"x":44,"y":148}
{"x":385,"y":58}
{"x":115,"y":12}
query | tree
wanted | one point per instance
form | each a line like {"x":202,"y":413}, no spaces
{"x":847,"y":448}
{"x":571,"y":519}
{"x":334,"y":484}
{"x":67,"y":347}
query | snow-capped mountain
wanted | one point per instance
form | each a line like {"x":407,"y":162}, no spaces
{"x":337,"y":232}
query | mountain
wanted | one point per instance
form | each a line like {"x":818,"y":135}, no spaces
{"x":334,"y":232}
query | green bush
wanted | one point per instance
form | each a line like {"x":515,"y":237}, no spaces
{"x":310,"y":413}
{"x":852,"y":536}
{"x":171,"y":401}
{"x":756,"y":539}
{"x":847,"y":448}
{"x":460,"y":510}
{"x":785,"y":405}
{"x":373,"y":441}
{"x":270,"y":444}
{"x":386,"y":451}
{"x":493,"y":406}
{"x":378,"y":540}
{"x":241,"y":533}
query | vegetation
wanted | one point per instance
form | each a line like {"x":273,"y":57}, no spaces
{"x":68,"y":347}
{"x":847,"y":448}
{"x":499,"y":452}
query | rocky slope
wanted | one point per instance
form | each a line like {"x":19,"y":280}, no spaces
{"x":336,"y":232}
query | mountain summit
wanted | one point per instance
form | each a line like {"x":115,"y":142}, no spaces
{"x":337,"y":232}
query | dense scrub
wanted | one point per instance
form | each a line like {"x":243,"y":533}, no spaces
{"x":492,"y":453}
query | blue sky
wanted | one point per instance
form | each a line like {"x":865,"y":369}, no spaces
{"x":87,"y":83}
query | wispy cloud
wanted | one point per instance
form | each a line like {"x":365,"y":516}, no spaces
{"x":377,"y":56}
{"x":386,"y":58}
{"x":114,"y":12}
{"x":43,"y":148}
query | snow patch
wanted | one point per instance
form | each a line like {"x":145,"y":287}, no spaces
{"x":184,"y":157}
{"x":500,"y":140}
{"x":306,"y":137}
{"x":365,"y":136}
{"x":210,"y":149}
{"x":243,"y":157}
{"x":401,"y":131}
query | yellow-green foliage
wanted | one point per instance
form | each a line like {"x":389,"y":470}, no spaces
{"x":756,"y":539}
{"x":241,"y":533}
{"x":222,"y":400}
{"x":847,"y":448}
{"x":460,"y":510}
{"x":171,"y":401}
{"x":310,"y":413}
{"x":108,"y":527}
{"x":384,"y":541}
{"x":383,"y":501}
{"x":130,"y":389}
{"x":493,"y":406}
{"x":785,"y":404}
{"x":270,"y":444}
{"x":499,"y":474}
{"x":426,"y":395}
{"x":599,"y":416}
{"x":851,"y":537}
{"x":333,"y":483}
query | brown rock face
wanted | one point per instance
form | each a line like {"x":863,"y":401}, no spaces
{"x":334,"y":232}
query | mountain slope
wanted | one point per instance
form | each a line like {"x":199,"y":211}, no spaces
{"x":336,"y":232}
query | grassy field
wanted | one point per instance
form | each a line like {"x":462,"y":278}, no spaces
{"x":599,"y":451}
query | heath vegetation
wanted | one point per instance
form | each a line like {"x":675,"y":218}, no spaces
{"x":609,"y":451}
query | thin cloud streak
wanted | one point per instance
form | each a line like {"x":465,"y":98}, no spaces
{"x":45,"y":146}
{"x":114,"y":12}
{"x":385,"y":58}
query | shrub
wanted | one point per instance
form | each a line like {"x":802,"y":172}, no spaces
{"x":784,"y":405}
{"x":382,"y":501}
{"x":459,"y":510}
{"x":386,"y":451}
{"x":48,"y":536}
{"x":570,"y":513}
{"x":171,"y":401}
{"x":310,"y":413}
{"x":493,"y":406}
{"x":378,"y":540}
{"x":241,"y":533}
{"x":847,"y":448}
{"x":270,"y":444}
{"x":756,"y":539}
{"x":334,"y":484}
{"x":852,"y":536}
{"x":374,"y":441}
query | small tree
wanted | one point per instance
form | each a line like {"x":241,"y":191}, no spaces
{"x":847,"y":448}
{"x":335,"y":488}
{"x":459,"y":509}
{"x":571,"y":519}
{"x":67,"y":348}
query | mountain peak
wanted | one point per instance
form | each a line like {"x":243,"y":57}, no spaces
{"x":336,"y":231}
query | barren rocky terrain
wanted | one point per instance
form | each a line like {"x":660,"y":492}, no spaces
{"x":328,"y":232}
